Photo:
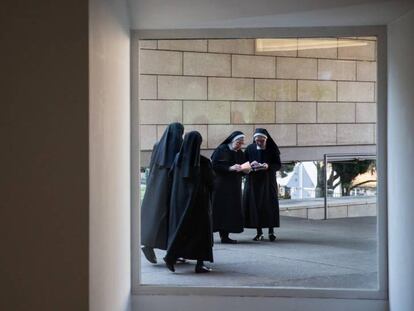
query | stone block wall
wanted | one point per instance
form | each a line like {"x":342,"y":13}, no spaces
{"x":304,"y":97}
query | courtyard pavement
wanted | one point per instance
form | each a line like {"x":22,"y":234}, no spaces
{"x":333,"y":253}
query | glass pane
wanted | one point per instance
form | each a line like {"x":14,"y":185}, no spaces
{"x":316,"y":97}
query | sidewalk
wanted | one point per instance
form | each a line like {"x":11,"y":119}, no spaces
{"x":334,"y":253}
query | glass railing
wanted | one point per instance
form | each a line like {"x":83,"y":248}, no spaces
{"x":343,"y":185}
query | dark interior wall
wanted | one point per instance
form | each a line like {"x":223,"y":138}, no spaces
{"x":44,"y":202}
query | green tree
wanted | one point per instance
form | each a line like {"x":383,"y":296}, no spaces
{"x":320,"y":178}
{"x":287,"y":168}
{"x":344,"y":172}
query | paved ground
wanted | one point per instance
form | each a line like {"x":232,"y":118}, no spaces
{"x":335,"y":253}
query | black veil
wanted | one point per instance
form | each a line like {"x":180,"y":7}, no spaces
{"x":188,"y":159}
{"x":228,"y":140}
{"x":169,"y":145}
{"x":270,"y":143}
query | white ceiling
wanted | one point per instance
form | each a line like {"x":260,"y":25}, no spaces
{"x":186,"y":14}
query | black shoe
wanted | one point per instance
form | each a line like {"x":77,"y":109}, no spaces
{"x":149,"y":254}
{"x":169,"y":264}
{"x":272,"y":237}
{"x":227,"y":240}
{"x":202,"y":269}
{"x":258,"y":237}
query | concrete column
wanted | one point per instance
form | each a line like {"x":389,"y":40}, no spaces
{"x":401,"y":163}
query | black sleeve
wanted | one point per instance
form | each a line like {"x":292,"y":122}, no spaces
{"x":241,"y":157}
{"x":220,"y":160}
{"x":247,"y":154}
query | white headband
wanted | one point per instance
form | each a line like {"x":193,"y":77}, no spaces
{"x":238,"y":137}
{"x":259,"y":134}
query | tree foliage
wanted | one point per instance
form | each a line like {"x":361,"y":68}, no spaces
{"x":344,"y":172}
{"x":286,"y":168}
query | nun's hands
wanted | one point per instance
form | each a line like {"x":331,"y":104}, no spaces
{"x":256,"y":166}
{"x":235,"y":167}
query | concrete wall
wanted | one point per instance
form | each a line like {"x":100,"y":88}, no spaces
{"x":304,"y":97}
{"x":400,"y":162}
{"x":109,"y":136}
{"x":44,"y":206}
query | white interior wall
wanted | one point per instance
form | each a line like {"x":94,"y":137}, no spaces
{"x":215,"y":303}
{"x":201,"y":14}
{"x":109,"y":156}
{"x":401,"y":163}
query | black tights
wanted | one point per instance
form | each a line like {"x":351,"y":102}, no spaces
{"x":260,"y":231}
{"x":223,"y":234}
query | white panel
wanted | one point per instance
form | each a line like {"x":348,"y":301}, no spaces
{"x":400,"y":163}
{"x":209,"y":303}
{"x":109,"y":157}
{"x":180,"y":14}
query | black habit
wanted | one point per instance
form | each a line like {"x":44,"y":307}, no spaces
{"x":227,"y":192}
{"x":190,"y":233}
{"x":155,"y":205}
{"x":260,"y":199}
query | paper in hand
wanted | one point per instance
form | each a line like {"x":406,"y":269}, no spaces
{"x":259,"y":166}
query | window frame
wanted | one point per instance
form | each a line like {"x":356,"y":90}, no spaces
{"x":381,"y":293}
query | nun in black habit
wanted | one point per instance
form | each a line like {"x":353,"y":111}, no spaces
{"x":155,"y":205}
{"x":190,"y":233}
{"x":260,"y":199}
{"x":227,"y":194}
